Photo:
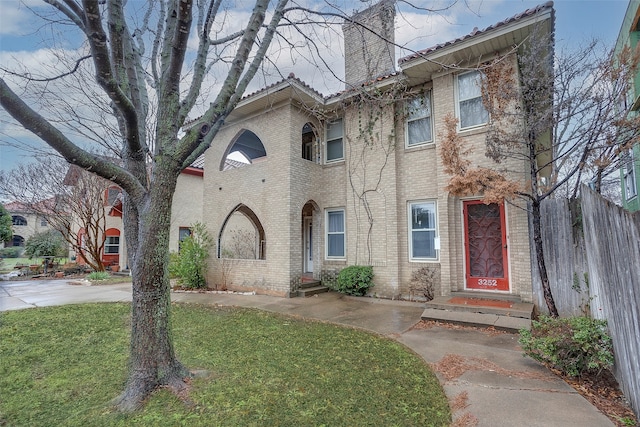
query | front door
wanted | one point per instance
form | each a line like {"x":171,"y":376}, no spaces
{"x":485,"y":246}
{"x":308,"y":245}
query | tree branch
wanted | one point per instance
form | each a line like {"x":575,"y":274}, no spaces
{"x":38,"y":125}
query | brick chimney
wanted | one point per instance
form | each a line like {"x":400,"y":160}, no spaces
{"x":368,"y":43}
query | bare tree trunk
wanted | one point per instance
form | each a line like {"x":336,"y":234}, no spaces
{"x":152,"y":360}
{"x":542,"y":267}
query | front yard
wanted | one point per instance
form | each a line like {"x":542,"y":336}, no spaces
{"x":62,"y":365}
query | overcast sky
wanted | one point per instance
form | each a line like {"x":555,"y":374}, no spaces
{"x":577,"y":21}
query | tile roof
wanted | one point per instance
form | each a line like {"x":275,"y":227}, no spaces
{"x":476,"y":32}
{"x":290,"y":79}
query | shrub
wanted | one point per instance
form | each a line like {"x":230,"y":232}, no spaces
{"x":190,"y":264}
{"x":354,"y":280}
{"x":423,"y":282}
{"x":48,"y":243}
{"x":11,"y":252}
{"x":98,"y":275}
{"x":573,"y":345}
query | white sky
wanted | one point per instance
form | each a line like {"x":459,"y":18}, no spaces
{"x":577,"y":22}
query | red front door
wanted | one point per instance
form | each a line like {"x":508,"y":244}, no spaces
{"x":485,"y":246}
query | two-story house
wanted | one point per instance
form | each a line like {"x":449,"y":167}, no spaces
{"x":357,"y":178}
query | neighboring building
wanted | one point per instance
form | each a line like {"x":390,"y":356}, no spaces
{"x":186,"y":210}
{"x":342,"y":180}
{"x":630,"y":165}
{"x":26,"y":222}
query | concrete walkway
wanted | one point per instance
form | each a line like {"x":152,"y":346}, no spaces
{"x":484,"y":372}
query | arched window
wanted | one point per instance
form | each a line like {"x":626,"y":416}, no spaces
{"x":310,"y":149}
{"x":18,"y":220}
{"x":245,"y":149}
{"x":17,"y":240}
{"x":242,"y":235}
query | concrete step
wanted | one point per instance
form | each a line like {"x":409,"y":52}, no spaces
{"x":505,"y":323}
{"x":309,"y":283}
{"x":311,"y":291}
{"x":482,"y":305}
{"x":501,"y":312}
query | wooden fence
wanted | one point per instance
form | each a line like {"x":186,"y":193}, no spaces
{"x":592,"y":252}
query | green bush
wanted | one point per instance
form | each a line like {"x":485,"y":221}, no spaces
{"x":354,"y":280}
{"x":11,"y":252}
{"x":573,"y":345}
{"x":190,"y":264}
{"x":48,"y":243}
{"x":98,"y":275}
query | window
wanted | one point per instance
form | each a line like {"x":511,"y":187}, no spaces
{"x":43,"y":222}
{"x":112,"y":245}
{"x":471,"y":112}
{"x":422,"y":231}
{"x":335,"y":233}
{"x":629,"y":172}
{"x":419,"y":120}
{"x":183,"y":233}
{"x":18,"y":220}
{"x":334,"y":141}
{"x":112,"y":195}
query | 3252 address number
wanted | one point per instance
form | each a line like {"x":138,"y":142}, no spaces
{"x":487,"y":282}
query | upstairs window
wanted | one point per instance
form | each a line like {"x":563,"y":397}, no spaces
{"x":18,"y":220}
{"x":111,"y":195}
{"x":419,"y":120}
{"x":310,"y":144}
{"x":471,"y":111}
{"x":335,"y":149}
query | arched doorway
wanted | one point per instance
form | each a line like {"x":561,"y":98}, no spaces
{"x":242,"y":235}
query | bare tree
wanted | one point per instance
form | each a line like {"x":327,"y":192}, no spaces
{"x":558,"y":115}
{"x":71,"y":200}
{"x":154,"y":64}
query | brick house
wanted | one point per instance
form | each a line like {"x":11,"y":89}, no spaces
{"x":356,"y":177}
{"x":27,"y":221}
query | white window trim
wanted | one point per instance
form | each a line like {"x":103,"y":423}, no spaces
{"x":110,"y":245}
{"x":430,"y":116}
{"x":326,"y":145}
{"x":457,"y":104}
{"x":326,"y":233}
{"x":410,"y":231}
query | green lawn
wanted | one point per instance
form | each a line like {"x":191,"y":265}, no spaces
{"x":61,"y":366}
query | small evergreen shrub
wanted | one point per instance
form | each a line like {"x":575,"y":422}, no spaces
{"x":354,"y":280}
{"x":190,"y":264}
{"x":98,"y":275}
{"x":11,"y":252}
{"x":573,"y":345}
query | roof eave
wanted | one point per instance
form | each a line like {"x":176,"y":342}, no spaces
{"x":487,"y":43}
{"x":283,"y":91}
